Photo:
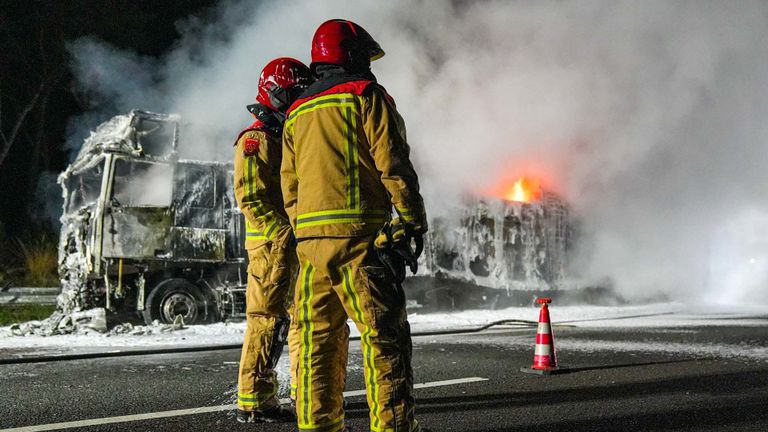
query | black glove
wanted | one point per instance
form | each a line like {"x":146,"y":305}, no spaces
{"x":393,"y":246}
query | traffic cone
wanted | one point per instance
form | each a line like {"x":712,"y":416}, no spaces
{"x":544,"y":357}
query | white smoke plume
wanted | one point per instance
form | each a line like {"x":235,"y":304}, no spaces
{"x":649,"y":117}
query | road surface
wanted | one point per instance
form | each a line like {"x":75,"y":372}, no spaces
{"x":702,"y":378}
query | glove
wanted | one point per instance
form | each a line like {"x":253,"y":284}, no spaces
{"x":392,"y":261}
{"x":393,"y":246}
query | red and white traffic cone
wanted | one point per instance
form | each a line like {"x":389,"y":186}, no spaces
{"x":544,"y":357}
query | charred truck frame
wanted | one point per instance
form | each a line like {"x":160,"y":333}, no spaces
{"x":147,"y":233}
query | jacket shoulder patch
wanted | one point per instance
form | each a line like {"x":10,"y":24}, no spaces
{"x":251,"y":146}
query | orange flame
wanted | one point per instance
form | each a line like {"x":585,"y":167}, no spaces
{"x":524,"y":190}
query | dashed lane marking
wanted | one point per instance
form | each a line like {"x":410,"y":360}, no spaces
{"x":200,"y":410}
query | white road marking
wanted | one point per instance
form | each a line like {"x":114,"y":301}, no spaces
{"x":201,"y":410}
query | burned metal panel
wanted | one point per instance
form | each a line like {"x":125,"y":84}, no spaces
{"x":138,"y":215}
{"x":193,"y":244}
{"x":138,"y":233}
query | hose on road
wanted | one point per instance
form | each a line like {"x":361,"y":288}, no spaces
{"x":206,"y":348}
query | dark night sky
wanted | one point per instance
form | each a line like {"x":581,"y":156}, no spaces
{"x":36,"y":84}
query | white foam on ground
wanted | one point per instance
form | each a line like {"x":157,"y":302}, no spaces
{"x":659,"y":316}
{"x":683,"y":349}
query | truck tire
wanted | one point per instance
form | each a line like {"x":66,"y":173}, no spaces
{"x":179,"y":297}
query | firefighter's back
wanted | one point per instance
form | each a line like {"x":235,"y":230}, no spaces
{"x":340,"y":193}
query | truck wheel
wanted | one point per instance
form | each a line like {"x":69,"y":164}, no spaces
{"x":177,"y":297}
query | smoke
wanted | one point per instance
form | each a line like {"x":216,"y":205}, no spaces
{"x":648,"y":116}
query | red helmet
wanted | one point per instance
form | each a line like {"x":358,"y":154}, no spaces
{"x":344,"y":43}
{"x":281,"y":82}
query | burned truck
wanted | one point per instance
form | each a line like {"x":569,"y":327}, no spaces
{"x":146,"y":234}
{"x":497,"y":252}
{"x":507,"y":244}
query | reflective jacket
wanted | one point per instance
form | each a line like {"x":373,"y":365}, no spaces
{"x":257,"y":184}
{"x":346,"y":163}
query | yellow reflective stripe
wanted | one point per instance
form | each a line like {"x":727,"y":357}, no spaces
{"x":304,"y":403}
{"x":252,"y":399}
{"x":267,"y":234}
{"x":341,"y":212}
{"x":326,"y":217}
{"x":349,"y":105}
{"x":351,"y":158}
{"x":405,"y":214}
{"x":254,"y":234}
{"x":258,"y":209}
{"x":249,"y":172}
{"x":332,"y":100}
{"x":331,"y":426}
{"x":270,"y":232}
{"x":356,"y":219}
{"x":372,"y":386}
{"x":250,"y":199}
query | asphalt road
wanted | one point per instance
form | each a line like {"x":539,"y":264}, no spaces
{"x":692,"y":378}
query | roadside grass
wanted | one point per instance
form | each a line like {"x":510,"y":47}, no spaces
{"x":11,"y":314}
{"x":39,"y":260}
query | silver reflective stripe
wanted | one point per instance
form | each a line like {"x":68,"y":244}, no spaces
{"x":544,"y":328}
{"x":543,"y":350}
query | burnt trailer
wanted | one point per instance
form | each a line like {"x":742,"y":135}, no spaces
{"x":146,"y":234}
{"x":502,"y":252}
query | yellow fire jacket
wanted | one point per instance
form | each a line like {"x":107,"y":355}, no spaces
{"x":346,"y":163}
{"x":257,"y":184}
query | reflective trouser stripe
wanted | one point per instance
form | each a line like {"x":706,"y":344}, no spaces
{"x":251,"y":399}
{"x":332,"y":426}
{"x":365,"y":338}
{"x":304,"y":402}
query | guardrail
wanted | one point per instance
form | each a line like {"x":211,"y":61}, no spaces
{"x":29,"y":295}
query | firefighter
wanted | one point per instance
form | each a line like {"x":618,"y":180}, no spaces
{"x":268,"y":240}
{"x":345,"y":166}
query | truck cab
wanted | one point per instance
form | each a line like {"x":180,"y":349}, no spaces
{"x":146,"y":234}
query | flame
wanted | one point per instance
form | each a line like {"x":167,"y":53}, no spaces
{"x":524,"y":190}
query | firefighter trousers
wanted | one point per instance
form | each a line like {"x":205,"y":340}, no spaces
{"x":271,"y":274}
{"x":340,"y":278}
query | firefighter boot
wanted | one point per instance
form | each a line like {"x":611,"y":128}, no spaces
{"x":275,"y":414}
